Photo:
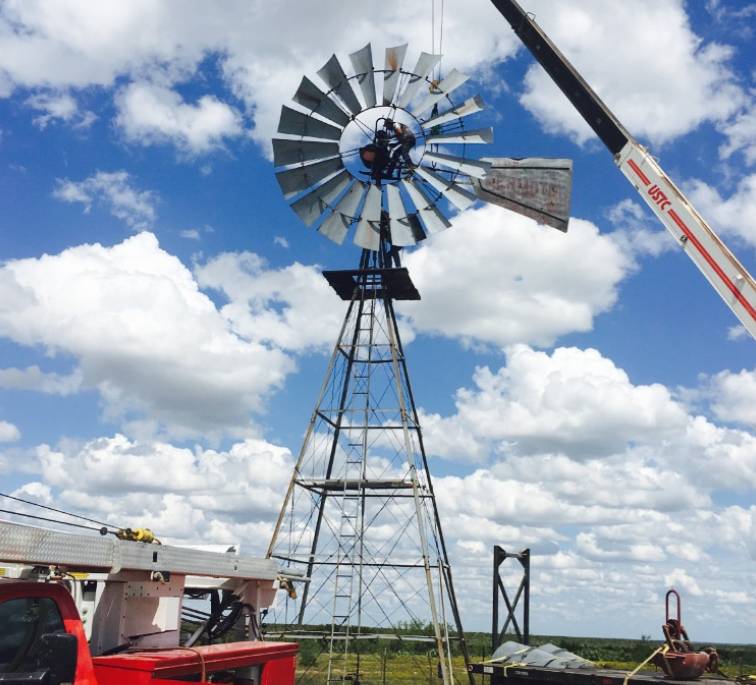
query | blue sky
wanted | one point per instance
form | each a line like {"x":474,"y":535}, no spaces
{"x":164,"y":328}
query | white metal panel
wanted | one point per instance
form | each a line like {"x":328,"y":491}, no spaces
{"x":310,"y":96}
{"x":432,"y":218}
{"x":310,"y":207}
{"x":393,"y":66}
{"x":362,"y":63}
{"x":471,"y":167}
{"x":453,"y":192}
{"x":478,"y":136}
{"x":425,"y":64}
{"x":367,"y":234}
{"x":401,"y":233}
{"x":297,"y":179}
{"x":336,"y":225}
{"x":300,"y":124}
{"x":453,"y":81}
{"x":729,"y":277}
{"x":334,"y":76}
{"x":286,"y":151}
{"x":470,"y":106}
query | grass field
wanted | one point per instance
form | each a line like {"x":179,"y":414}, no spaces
{"x":383,"y":663}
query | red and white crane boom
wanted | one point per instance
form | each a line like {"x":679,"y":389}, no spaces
{"x":720,"y":266}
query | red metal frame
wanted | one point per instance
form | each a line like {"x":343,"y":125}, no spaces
{"x":277,"y":659}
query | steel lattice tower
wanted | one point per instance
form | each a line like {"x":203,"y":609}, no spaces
{"x":359,"y":523}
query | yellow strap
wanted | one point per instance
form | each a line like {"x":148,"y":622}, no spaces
{"x":663,"y":649}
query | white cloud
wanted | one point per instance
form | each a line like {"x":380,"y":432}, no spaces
{"x":741,"y":135}
{"x":190,"y":234}
{"x":734,"y":215}
{"x":142,"y":333}
{"x":738,"y":332}
{"x":8,"y":432}
{"x":636,"y":231}
{"x":293,"y":307}
{"x":734,"y":396}
{"x":150,"y":114}
{"x":281,"y":242}
{"x":679,"y":577}
{"x":114,"y":190}
{"x":572,"y":401}
{"x":60,"y":106}
{"x":67,"y":45}
{"x":656,"y":93}
{"x":32,"y":378}
{"x":198,"y":492}
{"x":498,"y":278}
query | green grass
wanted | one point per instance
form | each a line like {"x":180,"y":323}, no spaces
{"x":389,"y":662}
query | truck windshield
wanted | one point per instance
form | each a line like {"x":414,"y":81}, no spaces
{"x":24,"y":621}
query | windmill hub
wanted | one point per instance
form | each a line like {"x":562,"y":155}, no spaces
{"x":382,"y":144}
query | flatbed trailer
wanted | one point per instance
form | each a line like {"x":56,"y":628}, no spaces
{"x":508,"y":674}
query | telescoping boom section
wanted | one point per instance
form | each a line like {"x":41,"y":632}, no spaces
{"x":720,"y":266}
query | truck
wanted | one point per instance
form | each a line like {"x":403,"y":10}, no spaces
{"x":89,"y":609}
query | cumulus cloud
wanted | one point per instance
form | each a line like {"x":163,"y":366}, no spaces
{"x":637,"y":231}
{"x":734,"y":396}
{"x":292,"y":307}
{"x":657,"y":94}
{"x":200,"y":495}
{"x":734,"y":215}
{"x":149,"y":114}
{"x":8,"y":432}
{"x":741,"y":135}
{"x":142,"y":333}
{"x":498,"y":278}
{"x":59,"y":106}
{"x":572,"y":401}
{"x":115,"y":192}
{"x":33,"y":378}
{"x":154,"y":47}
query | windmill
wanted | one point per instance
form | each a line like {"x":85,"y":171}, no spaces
{"x":359,"y":525}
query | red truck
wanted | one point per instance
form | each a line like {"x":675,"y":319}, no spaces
{"x":101,"y":611}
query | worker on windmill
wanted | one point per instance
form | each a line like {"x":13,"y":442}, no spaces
{"x":405,"y":141}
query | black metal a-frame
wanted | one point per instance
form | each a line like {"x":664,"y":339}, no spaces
{"x":500,"y":592}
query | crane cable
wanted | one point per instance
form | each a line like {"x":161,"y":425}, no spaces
{"x":57,"y":511}
{"x":440,"y":35}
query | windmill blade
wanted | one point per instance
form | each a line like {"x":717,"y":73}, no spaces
{"x":334,"y":76}
{"x":400,"y":226}
{"x":287,"y":151}
{"x":535,"y":187}
{"x":310,"y":96}
{"x":367,"y":234}
{"x":425,"y":65}
{"x":293,"y":181}
{"x":362,"y":63}
{"x":310,"y":207}
{"x":453,"y":192}
{"x":335,"y":226}
{"x":300,"y":124}
{"x":469,"y":106}
{"x":453,"y":81}
{"x":431,"y":216}
{"x":477,"y":137}
{"x":471,"y":167}
{"x":394,"y":61}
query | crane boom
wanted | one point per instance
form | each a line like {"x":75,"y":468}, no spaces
{"x":718,"y":264}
